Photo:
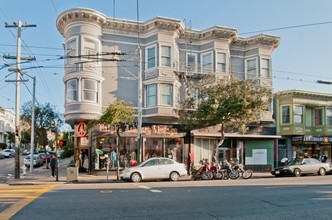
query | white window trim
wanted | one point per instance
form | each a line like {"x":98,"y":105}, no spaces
{"x":96,"y":49}
{"x":159,"y":94}
{"x":302,"y":115}
{"x":187,"y":63}
{"x":160,"y":55}
{"x":282,"y":115}
{"x":204,"y":54}
{"x":226,"y":63}
{"x":156,"y":95}
{"x":77,"y":83}
{"x":246,"y":69}
{"x":71,"y":60}
{"x":269,"y":67}
{"x":84,"y":90}
{"x":155,"y":56}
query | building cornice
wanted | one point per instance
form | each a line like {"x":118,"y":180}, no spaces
{"x":302,"y":93}
{"x":262,"y":39}
{"x":161,"y":23}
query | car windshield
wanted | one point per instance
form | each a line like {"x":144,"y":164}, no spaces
{"x":294,"y":162}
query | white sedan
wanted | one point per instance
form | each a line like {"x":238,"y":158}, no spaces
{"x":155,"y":168}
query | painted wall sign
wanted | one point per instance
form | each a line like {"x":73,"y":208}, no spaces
{"x":81,"y":129}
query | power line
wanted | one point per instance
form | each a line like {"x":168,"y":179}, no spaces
{"x":288,"y":27}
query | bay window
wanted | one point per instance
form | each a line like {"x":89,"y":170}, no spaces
{"x":71,"y":90}
{"x":90,"y":90}
{"x":318,"y":114}
{"x":298,"y":114}
{"x":207,"y":63}
{"x":329,"y":116}
{"x":285,"y":114}
{"x":221,"y":62}
{"x":251,"y":69}
{"x":151,"y":57}
{"x":191,"y":63}
{"x":265,"y":68}
{"x":166,"y":56}
{"x":166,"y":94}
{"x":151,"y":95}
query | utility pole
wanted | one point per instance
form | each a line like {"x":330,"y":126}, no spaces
{"x":17,"y":94}
{"x":140,"y":95}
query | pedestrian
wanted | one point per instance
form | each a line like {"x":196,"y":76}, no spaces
{"x":52,"y":165}
{"x":323,"y":158}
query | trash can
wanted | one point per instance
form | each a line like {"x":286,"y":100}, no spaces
{"x":72,"y":172}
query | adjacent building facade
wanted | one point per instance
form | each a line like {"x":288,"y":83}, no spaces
{"x":7,"y":124}
{"x":103,"y":63}
{"x":304,"y":120}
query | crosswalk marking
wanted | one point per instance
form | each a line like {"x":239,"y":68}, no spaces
{"x":19,"y":196}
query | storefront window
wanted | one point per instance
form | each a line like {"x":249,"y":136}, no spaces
{"x":163,"y":147}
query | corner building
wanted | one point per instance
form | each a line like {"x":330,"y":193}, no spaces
{"x":101,"y":66}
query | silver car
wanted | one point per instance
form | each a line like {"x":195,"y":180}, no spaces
{"x":37,"y":160}
{"x":297,"y":167}
{"x":155,"y":168}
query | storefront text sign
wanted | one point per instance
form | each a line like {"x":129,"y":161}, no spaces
{"x":163,"y":130}
{"x":311,"y":139}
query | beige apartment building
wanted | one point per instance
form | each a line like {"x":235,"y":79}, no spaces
{"x":102,"y":64}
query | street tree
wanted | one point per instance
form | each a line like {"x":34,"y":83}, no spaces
{"x":45,"y":116}
{"x":117,"y":114}
{"x":226,"y":102}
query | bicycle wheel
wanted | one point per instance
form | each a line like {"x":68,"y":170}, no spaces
{"x":247,"y":174}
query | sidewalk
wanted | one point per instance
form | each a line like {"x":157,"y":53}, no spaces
{"x":42,"y":175}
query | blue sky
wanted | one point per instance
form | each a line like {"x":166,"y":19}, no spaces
{"x":303,"y":56}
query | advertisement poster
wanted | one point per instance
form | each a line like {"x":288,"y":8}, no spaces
{"x":259,"y":156}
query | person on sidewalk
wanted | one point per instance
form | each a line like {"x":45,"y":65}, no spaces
{"x":52,"y":165}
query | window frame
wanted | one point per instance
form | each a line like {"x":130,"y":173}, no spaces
{"x":168,"y":96}
{"x":151,"y":99}
{"x":73,"y":92}
{"x":87,"y":51}
{"x":265,"y":71}
{"x":165,"y":60}
{"x":91,"y":91}
{"x":298,"y":115}
{"x":285,"y":118}
{"x":71,"y":51}
{"x":249,"y":69}
{"x":205,"y":66}
{"x":328,"y":116}
{"x":153,"y":58}
{"x":319,"y":117}
{"x":189,"y":67}
{"x":221,"y":66}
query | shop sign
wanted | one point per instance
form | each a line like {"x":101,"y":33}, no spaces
{"x":311,"y":139}
{"x":297,"y":140}
{"x":162,"y":130}
{"x":81,"y":129}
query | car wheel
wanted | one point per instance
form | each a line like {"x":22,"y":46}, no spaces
{"x":297,"y":172}
{"x":174,"y":176}
{"x":321,"y":171}
{"x":136,"y":177}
